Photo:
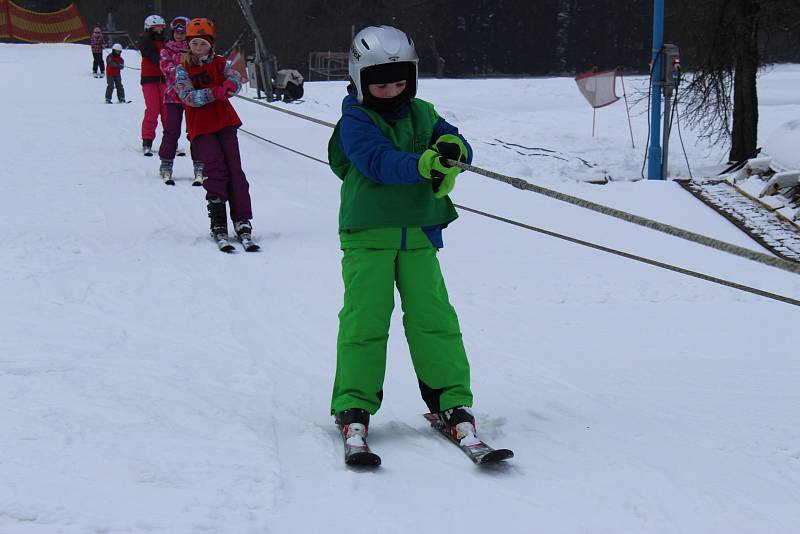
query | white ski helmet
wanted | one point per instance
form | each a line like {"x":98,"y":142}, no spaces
{"x":117,"y":47}
{"x":376,"y":45}
{"x":154,"y":20}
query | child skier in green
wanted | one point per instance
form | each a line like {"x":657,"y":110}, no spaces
{"x":390,"y":150}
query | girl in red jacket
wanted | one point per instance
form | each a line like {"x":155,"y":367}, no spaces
{"x":204,"y":82}
{"x":150,"y":44}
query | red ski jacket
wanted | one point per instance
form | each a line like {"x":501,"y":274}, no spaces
{"x":151,"y":49}
{"x":204,"y":114}
{"x":114,"y":64}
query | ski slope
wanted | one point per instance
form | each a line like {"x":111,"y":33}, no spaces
{"x":151,"y":385}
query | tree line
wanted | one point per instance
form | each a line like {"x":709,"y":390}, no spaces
{"x":473,"y":37}
{"x":723,"y":43}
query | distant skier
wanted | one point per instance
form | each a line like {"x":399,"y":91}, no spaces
{"x":389,"y":148}
{"x":171,"y":56}
{"x":97,"y":44}
{"x":204,"y":82}
{"x":114,"y":65}
{"x":150,"y":44}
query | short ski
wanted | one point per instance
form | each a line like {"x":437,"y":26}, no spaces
{"x":478,"y":451}
{"x":248,"y":243}
{"x":358,"y":455}
{"x":223,"y":243}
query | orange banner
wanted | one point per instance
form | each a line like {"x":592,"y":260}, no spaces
{"x":5,"y":32}
{"x":64,"y":26}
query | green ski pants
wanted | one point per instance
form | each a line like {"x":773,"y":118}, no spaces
{"x":430,"y":322}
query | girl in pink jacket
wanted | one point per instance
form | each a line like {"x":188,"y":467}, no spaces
{"x":170,"y":57}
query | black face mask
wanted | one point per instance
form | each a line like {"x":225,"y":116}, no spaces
{"x":387,"y":105}
{"x":389,"y":73}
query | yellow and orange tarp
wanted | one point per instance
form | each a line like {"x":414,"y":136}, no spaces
{"x":63,"y":26}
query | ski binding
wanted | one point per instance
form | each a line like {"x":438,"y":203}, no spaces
{"x":478,"y":451}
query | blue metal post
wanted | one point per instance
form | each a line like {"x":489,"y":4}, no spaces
{"x":654,"y":153}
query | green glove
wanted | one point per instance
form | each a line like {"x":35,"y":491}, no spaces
{"x":452,"y":147}
{"x":442,"y":176}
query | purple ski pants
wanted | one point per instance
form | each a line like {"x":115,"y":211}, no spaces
{"x":172,"y":131}
{"x":222,"y":167}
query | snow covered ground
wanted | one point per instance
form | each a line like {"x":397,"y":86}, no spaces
{"x":150,"y":384}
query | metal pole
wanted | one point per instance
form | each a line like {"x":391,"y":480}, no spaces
{"x":263,"y":63}
{"x":667,"y":127}
{"x":657,"y":81}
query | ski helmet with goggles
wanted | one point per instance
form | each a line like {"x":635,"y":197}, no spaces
{"x":200,"y":28}
{"x":154,"y":20}
{"x":378,"y":45}
{"x":179,"y":24}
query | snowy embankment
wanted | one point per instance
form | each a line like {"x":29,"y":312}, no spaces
{"x":150,"y":384}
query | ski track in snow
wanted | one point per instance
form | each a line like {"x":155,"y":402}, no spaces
{"x":150,"y":384}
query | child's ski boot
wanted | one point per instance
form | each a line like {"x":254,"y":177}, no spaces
{"x":353,"y":425}
{"x":219,"y":224}
{"x":244,"y":232}
{"x":459,"y":422}
{"x":165,"y":171}
{"x":198,"y":173}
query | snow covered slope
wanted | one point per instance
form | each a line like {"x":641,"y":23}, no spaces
{"x":150,"y":384}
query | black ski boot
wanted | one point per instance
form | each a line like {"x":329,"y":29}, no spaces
{"x":353,"y":425}
{"x":147,"y":147}
{"x":219,"y":224}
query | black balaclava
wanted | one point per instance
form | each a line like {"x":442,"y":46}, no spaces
{"x":389,"y":73}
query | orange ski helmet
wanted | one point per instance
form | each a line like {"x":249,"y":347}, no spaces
{"x":201,"y":28}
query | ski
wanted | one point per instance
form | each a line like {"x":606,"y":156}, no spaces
{"x":223,"y":243}
{"x":356,"y":451}
{"x":248,"y":243}
{"x":478,"y":451}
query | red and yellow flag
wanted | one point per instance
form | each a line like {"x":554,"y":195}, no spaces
{"x":64,"y":26}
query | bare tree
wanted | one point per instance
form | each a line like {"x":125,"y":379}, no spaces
{"x":721,"y":97}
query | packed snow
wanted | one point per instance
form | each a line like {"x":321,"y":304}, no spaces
{"x":151,"y":384}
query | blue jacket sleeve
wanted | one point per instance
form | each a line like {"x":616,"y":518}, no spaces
{"x":373,"y":154}
{"x":443,"y":127}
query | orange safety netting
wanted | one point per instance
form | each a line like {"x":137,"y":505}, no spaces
{"x":63,"y":26}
